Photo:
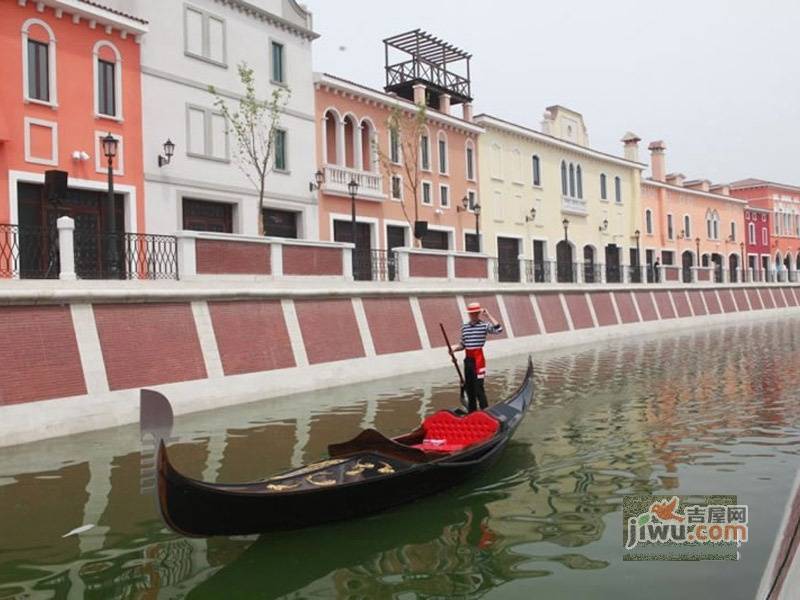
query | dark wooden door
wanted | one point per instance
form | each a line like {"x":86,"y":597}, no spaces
{"x":687,"y":261}
{"x":395,"y":238}
{"x":588,"y":264}
{"x":436,"y":240}
{"x":362,"y":254}
{"x":507,"y":259}
{"x":649,"y":257}
{"x":613,"y":274}
{"x":539,"y":273}
{"x":472,"y":242}
{"x":564,"y":268}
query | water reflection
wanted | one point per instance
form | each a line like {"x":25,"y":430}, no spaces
{"x":716,"y":408}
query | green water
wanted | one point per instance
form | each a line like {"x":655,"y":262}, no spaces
{"x":703,"y":412}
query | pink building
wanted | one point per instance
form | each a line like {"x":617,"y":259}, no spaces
{"x":690,"y":224}
{"x":757,"y":244}
{"x":353,"y":134}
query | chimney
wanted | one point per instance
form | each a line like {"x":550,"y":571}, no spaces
{"x":721,"y":188}
{"x":703,"y":185}
{"x":658,"y":166}
{"x":467,"y":108}
{"x":676,"y":179}
{"x":419,"y":94}
{"x":547,"y":122}
{"x":444,"y":103}
{"x":631,"y":141}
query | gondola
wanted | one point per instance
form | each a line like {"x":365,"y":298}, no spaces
{"x":367,"y":474}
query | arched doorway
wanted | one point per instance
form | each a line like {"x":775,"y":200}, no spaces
{"x":733,"y":266}
{"x":589,"y":275}
{"x":687,"y":262}
{"x":787,"y":263}
{"x":331,"y":132}
{"x":613,"y":273}
{"x":778,"y":267}
{"x":564,"y":267}
{"x":716,"y":259}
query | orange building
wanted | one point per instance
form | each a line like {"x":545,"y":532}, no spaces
{"x":70,"y":74}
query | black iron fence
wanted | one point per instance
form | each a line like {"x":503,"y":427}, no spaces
{"x":592,"y":272}
{"x":28,"y":252}
{"x":635,"y":273}
{"x":125,"y":255}
{"x":613,"y":273}
{"x":374,"y":265}
{"x":566,"y":272}
{"x":537,"y":271}
{"x":507,"y":270}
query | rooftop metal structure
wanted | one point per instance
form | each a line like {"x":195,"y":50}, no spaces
{"x":428,"y":65}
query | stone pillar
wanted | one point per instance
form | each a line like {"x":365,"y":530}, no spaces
{"x":187,"y":258}
{"x":358,"y":158}
{"x":347,"y":261}
{"x":451,"y":266}
{"x":444,"y":103}
{"x":553,"y":278}
{"x":522,"y":278}
{"x":402,"y":264}
{"x":631,"y":142}
{"x":578,"y":272}
{"x":603,"y":278}
{"x":340,"y":146}
{"x":276,"y":259}
{"x":658,"y":165}
{"x":467,"y":114}
{"x":419,"y":94}
{"x":66,"y":248}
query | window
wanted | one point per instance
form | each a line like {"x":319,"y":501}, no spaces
{"x":712,"y":225}
{"x":206,"y":133}
{"x":751,"y":233}
{"x":425,"y":152}
{"x":204,"y":35}
{"x":617,"y":190}
{"x":579,"y":178}
{"x":279,"y":223}
{"x":536,"y":167}
{"x":648,"y":221}
{"x":394,"y":146}
{"x":571,"y":180}
{"x":397,"y":187}
{"x":426,"y":193}
{"x":603,"y":190}
{"x":442,"y":155}
{"x":277,"y":63}
{"x":670,"y":232}
{"x":280,"y":150}
{"x":687,"y":227}
{"x":563,"y":178}
{"x":764,"y":241}
{"x":106,"y":94}
{"x":667,"y":257}
{"x":470,"y":162}
{"x":38,"y":71}
{"x":733,"y":231}
{"x":203,"y":215}
{"x":444,"y":196}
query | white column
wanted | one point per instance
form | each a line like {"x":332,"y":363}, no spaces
{"x":451,"y":266}
{"x":357,"y":150}
{"x":325,"y":140}
{"x":347,"y":261}
{"x":66,"y":249}
{"x":402,"y":264}
{"x":340,"y":159}
{"x":276,"y":259}
{"x":187,"y":258}
{"x":522,"y":278}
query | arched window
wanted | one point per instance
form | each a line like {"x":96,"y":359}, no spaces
{"x":425,"y":150}
{"x":617,"y":190}
{"x":648,"y":221}
{"x":751,"y":233}
{"x":107,"y":76}
{"x":442,"y":138}
{"x":687,"y":226}
{"x":603,"y":190}
{"x":39,"y":62}
{"x":712,"y":225}
{"x":563,"y":178}
{"x":470,"y":158}
{"x":716,"y":225}
{"x":536,"y":167}
{"x":733,"y":231}
{"x":369,"y":158}
{"x":331,"y":134}
{"x":516,"y":166}
{"x":571,"y":180}
{"x":579,"y":178}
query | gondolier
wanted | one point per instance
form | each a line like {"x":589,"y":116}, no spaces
{"x":473,"y":339}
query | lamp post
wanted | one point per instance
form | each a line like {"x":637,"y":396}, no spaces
{"x":565,"y":223}
{"x":169,"y":150}
{"x":352,"y":187}
{"x":476,"y":208}
{"x":638,"y":233}
{"x":319,"y":179}
{"x":110,"y":151}
{"x":742,"y":270}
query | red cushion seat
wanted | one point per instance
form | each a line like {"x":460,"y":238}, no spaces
{"x":445,"y":432}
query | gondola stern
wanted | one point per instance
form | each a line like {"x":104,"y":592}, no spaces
{"x":167,"y":476}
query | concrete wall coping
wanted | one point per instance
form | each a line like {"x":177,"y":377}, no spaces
{"x":432,"y":252}
{"x":255,"y":239}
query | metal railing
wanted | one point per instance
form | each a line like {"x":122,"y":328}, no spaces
{"x":374,"y":265}
{"x":28,"y":252}
{"x":613,"y":273}
{"x":125,"y":255}
{"x":566,"y":272}
{"x":635,"y":273}
{"x":592,"y":272}
{"x":507,"y":271}
{"x":537,"y":272}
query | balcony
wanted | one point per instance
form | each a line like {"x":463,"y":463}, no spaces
{"x":370,"y":185}
{"x":573,"y":206}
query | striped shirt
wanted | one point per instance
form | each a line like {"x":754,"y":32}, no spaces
{"x":473,"y":335}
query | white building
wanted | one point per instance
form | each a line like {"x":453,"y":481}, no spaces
{"x":195,"y":44}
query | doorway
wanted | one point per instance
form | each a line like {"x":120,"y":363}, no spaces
{"x":589,"y":275}
{"x":540,"y":273}
{"x":613,"y":274}
{"x":687,"y":262}
{"x":508,"y":259}
{"x":649,"y":259}
{"x":564,"y":266}
{"x":362,"y":254}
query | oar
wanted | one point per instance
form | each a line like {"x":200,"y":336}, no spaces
{"x":455,"y":364}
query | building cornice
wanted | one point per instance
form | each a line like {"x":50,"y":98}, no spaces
{"x":355,"y":90}
{"x":759,"y":183}
{"x":531,"y":134}
{"x":99,"y":14}
{"x":677,"y":188}
{"x":260,"y":14}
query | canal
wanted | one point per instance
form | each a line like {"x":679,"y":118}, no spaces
{"x":700,"y":412}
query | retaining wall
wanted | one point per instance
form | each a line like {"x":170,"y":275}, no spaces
{"x":75,"y":358}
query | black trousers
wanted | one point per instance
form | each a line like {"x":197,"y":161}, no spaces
{"x":476,"y":394}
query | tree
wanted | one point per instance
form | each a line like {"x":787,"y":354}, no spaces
{"x":406,"y":129}
{"x":253,"y":125}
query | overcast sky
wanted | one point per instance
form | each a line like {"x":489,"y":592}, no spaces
{"x":717,"y":80}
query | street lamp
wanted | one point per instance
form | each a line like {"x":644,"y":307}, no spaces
{"x":741,"y":250}
{"x":110,"y":151}
{"x":476,"y":208}
{"x":697,"y":241}
{"x":352,"y":187}
{"x":565,"y":223}
{"x":530,"y":216}
{"x":169,"y":150}
{"x":604,"y":226}
{"x":319,"y":179}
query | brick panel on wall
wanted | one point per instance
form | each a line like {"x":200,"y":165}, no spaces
{"x":795,"y":292}
{"x":741,"y":300}
{"x":392,"y":324}
{"x":148,"y":344}
{"x":490,"y":304}
{"x":627,"y":310}
{"x":240,"y":258}
{"x":766,"y":298}
{"x":329,"y":328}
{"x":711,"y":302}
{"x":251,"y":336}
{"x":441,"y":309}
{"x":755,"y":300}
{"x":472,"y":267}
{"x":310,"y":260}
{"x":790,"y":299}
{"x":39,"y":356}
{"x":681,"y":303}
{"x":664,"y":304}
{"x":603,"y":308}
{"x":579,"y":310}
{"x":424,"y":265}
{"x":520,"y":311}
{"x":552,"y":313}
{"x":726,"y":298}
{"x":777,"y":296}
{"x":697,"y":302}
{"x":646,"y":307}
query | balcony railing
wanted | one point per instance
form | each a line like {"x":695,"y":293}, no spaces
{"x":576,"y":206}
{"x":28,"y":252}
{"x":592,"y":272}
{"x":125,"y":255}
{"x":507,"y":271}
{"x":374,"y":265}
{"x":337,"y":178}
{"x":537,"y":272}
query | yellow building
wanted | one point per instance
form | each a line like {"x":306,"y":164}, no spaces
{"x":570,"y":211}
